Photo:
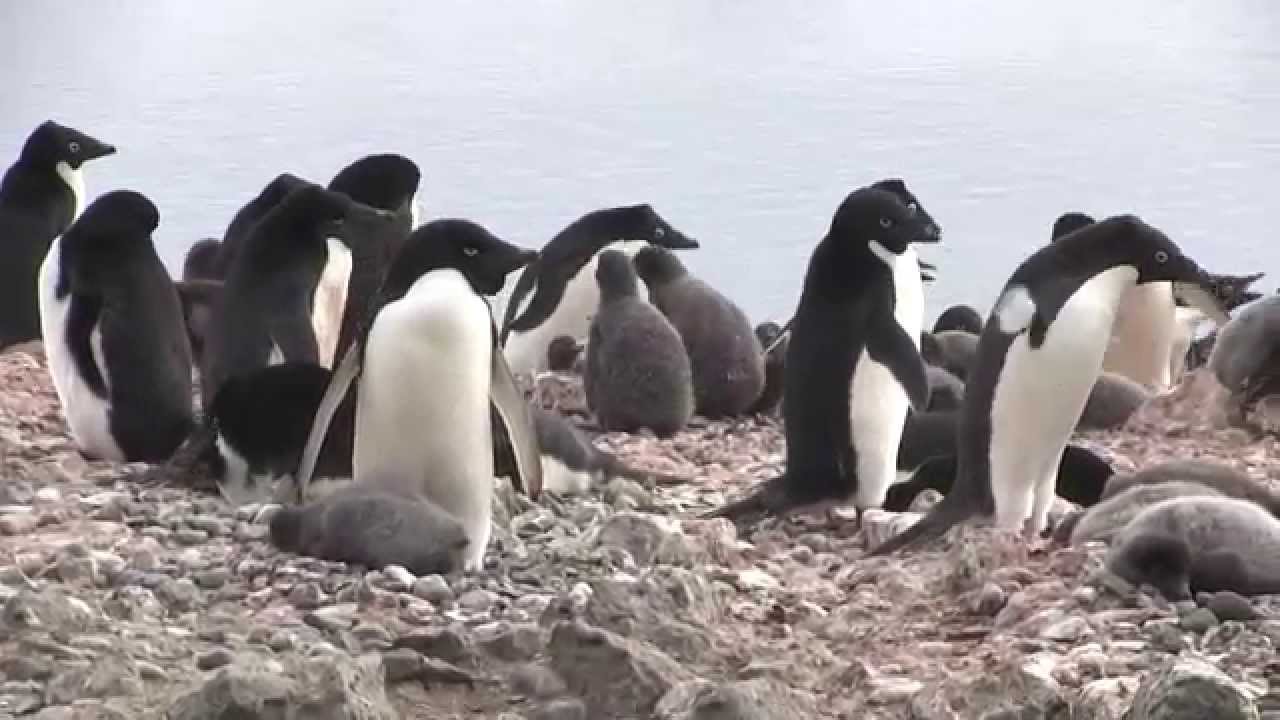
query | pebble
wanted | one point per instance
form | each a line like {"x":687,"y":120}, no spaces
{"x":211,"y":579}
{"x":476,"y":600}
{"x":215,"y":658}
{"x":19,"y":524}
{"x":306,"y":596}
{"x":335,"y":617}
{"x":433,"y":589}
{"x":191,"y":536}
{"x":1231,"y":606}
{"x":989,"y":600}
{"x":398,"y":579}
{"x":1198,"y":620}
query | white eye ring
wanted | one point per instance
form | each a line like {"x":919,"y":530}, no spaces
{"x":1162,"y":257}
{"x":74,"y":147}
{"x":659,"y":232}
{"x":469,"y":251}
{"x":913,"y":208}
{"x":886,"y":223}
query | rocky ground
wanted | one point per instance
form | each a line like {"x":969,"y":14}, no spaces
{"x":123,"y":598}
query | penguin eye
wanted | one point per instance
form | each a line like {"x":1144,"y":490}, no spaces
{"x":74,"y":147}
{"x":886,"y":223}
{"x":1162,"y":257}
{"x":470,"y":251}
{"x":659,"y":232}
{"x":913,"y":208}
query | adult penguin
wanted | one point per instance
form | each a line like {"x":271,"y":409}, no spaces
{"x":557,"y":294}
{"x":1040,"y":354}
{"x":430,"y":375}
{"x":41,"y":194}
{"x":267,"y":311}
{"x":853,"y":366}
{"x":237,"y":232}
{"x":114,"y":334}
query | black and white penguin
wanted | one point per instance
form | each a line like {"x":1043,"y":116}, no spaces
{"x":638,"y":374}
{"x":114,"y":334}
{"x":429,"y":373}
{"x":959,"y":317}
{"x":1187,"y":545}
{"x":237,"y":232}
{"x":557,"y":294}
{"x":41,"y":194}
{"x":572,"y":464}
{"x":262,"y":419}
{"x":270,"y":309}
{"x":853,"y":366}
{"x":1040,"y":355}
{"x":726,"y":357}
{"x":775,"y":363}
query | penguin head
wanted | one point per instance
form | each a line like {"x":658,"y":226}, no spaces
{"x":481,"y":257}
{"x":119,"y":214}
{"x":657,"y":265}
{"x":615,"y":276}
{"x":1158,"y":259}
{"x":279,"y":188}
{"x":562,"y":353}
{"x":1068,"y":223}
{"x":311,"y":206}
{"x":201,"y":261}
{"x":51,"y":143}
{"x":877,"y":222}
{"x":387,"y":181}
{"x":959,"y":317}
{"x":1157,"y":559}
{"x":655,"y":230}
{"x":767,"y":332}
{"x":932,"y":231}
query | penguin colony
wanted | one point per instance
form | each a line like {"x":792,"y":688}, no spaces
{"x":329,"y":319}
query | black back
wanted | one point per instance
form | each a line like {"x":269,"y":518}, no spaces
{"x":238,"y":230}
{"x":266,"y":415}
{"x":959,"y":317}
{"x":566,"y":253}
{"x":116,"y":282}
{"x":36,"y":205}
{"x":846,"y":288}
{"x":268,"y":293}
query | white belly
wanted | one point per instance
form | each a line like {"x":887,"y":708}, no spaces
{"x":1143,"y":338}
{"x":75,"y":182}
{"x":86,"y":413}
{"x":877,"y":402}
{"x":423,"y":410}
{"x":1040,"y":395}
{"x":527,"y":352}
{"x":330,"y":301}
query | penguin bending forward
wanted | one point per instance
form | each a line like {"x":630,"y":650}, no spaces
{"x":853,"y":365}
{"x":1039,"y":355}
{"x":429,"y":370}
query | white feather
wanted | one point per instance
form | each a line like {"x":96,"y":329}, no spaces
{"x":1144,"y":336}
{"x":87,"y":415}
{"x":878,"y":404}
{"x":1014,"y":310}
{"x":423,"y":410}
{"x":330,"y":300}
{"x":75,"y":182}
{"x":1040,"y":394}
{"x":526,"y":352}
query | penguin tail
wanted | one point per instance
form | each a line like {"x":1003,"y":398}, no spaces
{"x":950,"y":511}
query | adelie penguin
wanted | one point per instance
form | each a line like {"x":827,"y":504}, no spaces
{"x":853,"y":366}
{"x":237,"y":232}
{"x":1040,"y":353}
{"x":429,"y":373}
{"x":114,"y":334}
{"x":557,"y":294}
{"x":41,"y":194}
{"x":270,"y":309}
{"x":726,"y":357}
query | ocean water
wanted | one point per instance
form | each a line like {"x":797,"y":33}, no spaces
{"x":744,"y":123}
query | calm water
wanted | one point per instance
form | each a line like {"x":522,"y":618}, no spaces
{"x":744,"y":122}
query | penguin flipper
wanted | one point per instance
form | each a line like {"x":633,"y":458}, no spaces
{"x":890,"y":346}
{"x":517,"y":419}
{"x":343,"y":376}
{"x":291,"y":331}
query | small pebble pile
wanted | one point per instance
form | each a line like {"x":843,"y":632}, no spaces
{"x":126,"y":598}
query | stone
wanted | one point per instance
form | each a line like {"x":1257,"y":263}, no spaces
{"x":433,"y":589}
{"x":615,"y":676}
{"x":647,"y":538}
{"x":398,"y":579}
{"x":560,"y":709}
{"x":18,"y":523}
{"x":1198,"y":621}
{"x":1189,"y":688}
{"x":1019,"y":687}
{"x":1231,"y":606}
{"x":989,"y":600}
{"x":760,"y":698}
{"x":536,"y":681}
{"x":334,"y":618}
{"x":1165,"y":637}
{"x":445,"y":644}
{"x":214,"y":659}
{"x":179,"y":595}
{"x":476,"y":600}
{"x":1105,"y":699}
{"x":510,"y":643}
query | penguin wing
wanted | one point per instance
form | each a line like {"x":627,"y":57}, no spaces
{"x":339,"y":383}
{"x":517,"y":421}
{"x":524,"y":285}
{"x":890,"y":346}
{"x":290,"y":329}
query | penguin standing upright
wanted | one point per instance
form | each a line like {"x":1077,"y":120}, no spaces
{"x":430,"y":372}
{"x":558,"y":295}
{"x":114,"y":334}
{"x":1040,"y":353}
{"x":41,"y":194}
{"x":853,"y":365}
{"x":242,"y":222}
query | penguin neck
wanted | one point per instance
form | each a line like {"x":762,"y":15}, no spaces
{"x":55,"y":194}
{"x":74,"y":180}
{"x":1110,"y":285}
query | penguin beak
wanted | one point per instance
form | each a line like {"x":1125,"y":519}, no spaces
{"x":676,"y":240}
{"x":94,"y":149}
{"x":931,"y":234}
{"x":1193,"y":286}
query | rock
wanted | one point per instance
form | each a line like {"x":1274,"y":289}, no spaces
{"x":433,"y":589}
{"x":512,"y":644}
{"x":98,"y":680}
{"x":1189,"y":688}
{"x":50,"y":609}
{"x":561,"y":709}
{"x":324,"y":687}
{"x":756,"y":699}
{"x":446,"y":644}
{"x":880,"y":525}
{"x":18,"y":523}
{"x":1165,"y":637}
{"x":1105,"y":699}
{"x":649,"y":539}
{"x":537,"y":682}
{"x":1231,"y":606}
{"x":214,"y":659}
{"x":1023,"y":687}
{"x":615,"y":676}
{"x":476,"y":600}
{"x":335,"y":618}
{"x":1198,"y":620}
{"x":179,"y":595}
{"x":398,"y":578}
{"x":989,"y":600}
